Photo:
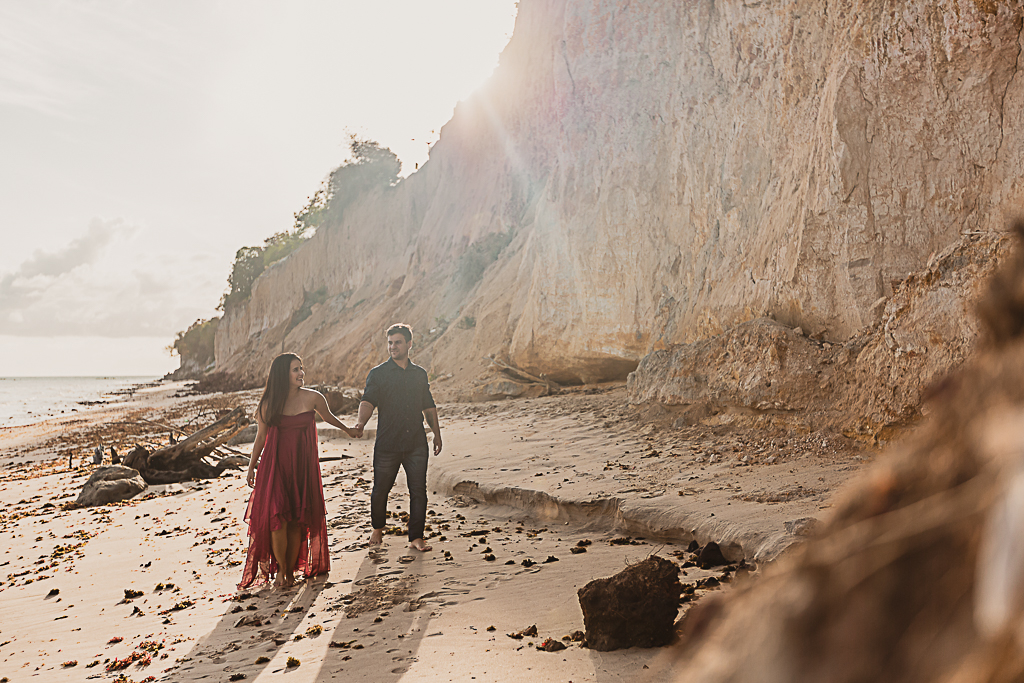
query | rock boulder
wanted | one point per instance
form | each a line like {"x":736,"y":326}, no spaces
{"x":110,"y":485}
{"x":635,"y":608}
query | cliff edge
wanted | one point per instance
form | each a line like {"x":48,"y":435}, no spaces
{"x":640,"y":176}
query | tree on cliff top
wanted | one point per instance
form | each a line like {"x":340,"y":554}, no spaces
{"x":371,"y":166}
{"x":195,"y":345}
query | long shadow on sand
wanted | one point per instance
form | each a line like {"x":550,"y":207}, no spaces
{"x":382,"y":623}
{"x":229,"y":648}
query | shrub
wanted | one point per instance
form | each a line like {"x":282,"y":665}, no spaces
{"x":371,"y":166}
{"x":195,"y":345}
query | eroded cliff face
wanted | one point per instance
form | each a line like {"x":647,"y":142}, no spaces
{"x":664,"y":172}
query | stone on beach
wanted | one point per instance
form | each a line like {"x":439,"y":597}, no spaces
{"x":110,"y":485}
{"x":711,"y":556}
{"x":635,"y":608}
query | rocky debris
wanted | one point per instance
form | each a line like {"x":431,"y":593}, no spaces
{"x":551,"y":645}
{"x":504,"y":380}
{"x":635,"y":608}
{"x":760,"y":364}
{"x":711,"y":556}
{"x":110,"y":485}
{"x":506,"y":388}
{"x":805,"y":526}
{"x":218,"y":382}
{"x":866,"y":386}
{"x":528,"y":631}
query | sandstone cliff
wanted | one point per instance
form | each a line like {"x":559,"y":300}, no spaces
{"x":661,"y":172}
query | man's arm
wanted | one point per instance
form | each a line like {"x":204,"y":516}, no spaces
{"x":366,"y":406}
{"x":365,"y":411}
{"x":431,"y":415}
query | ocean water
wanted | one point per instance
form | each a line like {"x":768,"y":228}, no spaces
{"x":26,"y":400}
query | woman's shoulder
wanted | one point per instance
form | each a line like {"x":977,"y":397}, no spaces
{"x":309,"y":396}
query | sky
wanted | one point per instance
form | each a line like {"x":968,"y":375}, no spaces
{"x":144,"y":142}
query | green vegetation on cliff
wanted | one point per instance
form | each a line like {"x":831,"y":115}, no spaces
{"x":371,"y":166}
{"x":195,"y":345}
{"x":250,"y":262}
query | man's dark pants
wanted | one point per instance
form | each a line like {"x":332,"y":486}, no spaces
{"x":385,"y":469}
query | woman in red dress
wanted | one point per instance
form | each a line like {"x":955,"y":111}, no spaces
{"x":286,"y":513}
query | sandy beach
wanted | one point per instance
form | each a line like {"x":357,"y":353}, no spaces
{"x":147,"y":588}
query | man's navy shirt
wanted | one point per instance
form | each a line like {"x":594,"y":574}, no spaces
{"x":400,"y":396}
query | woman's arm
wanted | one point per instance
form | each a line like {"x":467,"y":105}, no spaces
{"x":257,"y":449}
{"x":324,"y":411}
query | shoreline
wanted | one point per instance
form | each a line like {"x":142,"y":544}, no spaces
{"x":73,"y":400}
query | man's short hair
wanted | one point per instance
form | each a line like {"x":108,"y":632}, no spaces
{"x":402,"y":329}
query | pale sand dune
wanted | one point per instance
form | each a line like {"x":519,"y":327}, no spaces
{"x":437,"y":627}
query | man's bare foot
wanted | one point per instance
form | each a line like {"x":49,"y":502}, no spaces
{"x":421,"y":545}
{"x":377,"y":537}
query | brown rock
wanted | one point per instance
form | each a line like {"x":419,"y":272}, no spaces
{"x":711,"y":556}
{"x":528,"y":631}
{"x":551,"y":645}
{"x":635,"y":608}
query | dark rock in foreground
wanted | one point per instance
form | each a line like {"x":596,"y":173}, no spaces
{"x":635,"y":608}
{"x":711,"y":556}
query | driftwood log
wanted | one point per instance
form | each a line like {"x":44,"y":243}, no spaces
{"x":513,"y":371}
{"x":192,"y":457}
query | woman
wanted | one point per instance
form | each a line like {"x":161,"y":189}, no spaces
{"x":286,"y":513}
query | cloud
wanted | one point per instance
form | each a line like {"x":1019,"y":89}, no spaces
{"x":113,"y":281}
{"x":79,"y":252}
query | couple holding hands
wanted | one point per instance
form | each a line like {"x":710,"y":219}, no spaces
{"x":286,"y":512}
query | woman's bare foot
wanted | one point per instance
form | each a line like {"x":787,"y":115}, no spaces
{"x":420,"y":544}
{"x":377,"y":537}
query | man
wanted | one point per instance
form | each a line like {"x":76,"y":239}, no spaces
{"x":399,"y":389}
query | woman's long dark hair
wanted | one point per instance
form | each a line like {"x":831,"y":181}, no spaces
{"x":271,"y":405}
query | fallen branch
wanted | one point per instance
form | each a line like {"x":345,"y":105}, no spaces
{"x":187,"y":459}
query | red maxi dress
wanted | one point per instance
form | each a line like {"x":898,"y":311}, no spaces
{"x":288,"y":488}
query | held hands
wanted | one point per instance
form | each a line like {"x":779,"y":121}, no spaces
{"x":357,"y":431}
